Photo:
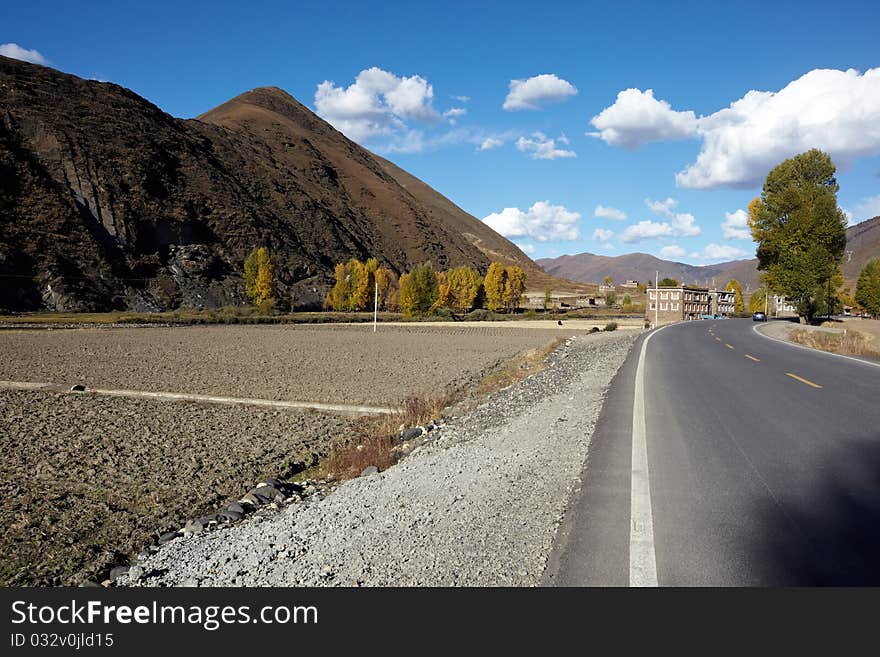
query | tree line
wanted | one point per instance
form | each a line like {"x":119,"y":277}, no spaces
{"x":422,"y":291}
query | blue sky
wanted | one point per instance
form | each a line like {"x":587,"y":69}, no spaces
{"x":543,"y":138}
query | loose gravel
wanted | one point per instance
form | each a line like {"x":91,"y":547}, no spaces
{"x":86,"y":481}
{"x":478,"y":505}
{"x":331,"y":364}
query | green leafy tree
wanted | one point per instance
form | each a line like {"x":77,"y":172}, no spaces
{"x":668,"y":282}
{"x":548,"y":299}
{"x":868,"y":287}
{"x":608,"y":280}
{"x":800,"y":231}
{"x":610,"y":298}
{"x":419,"y":291}
{"x":259,"y":279}
{"x":734,"y":286}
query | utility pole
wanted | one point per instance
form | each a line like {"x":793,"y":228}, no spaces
{"x":657,"y":299}
{"x":375,"y":306}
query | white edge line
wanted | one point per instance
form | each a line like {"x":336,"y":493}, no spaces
{"x":815,"y":351}
{"x":208,"y":399}
{"x":642,"y":557}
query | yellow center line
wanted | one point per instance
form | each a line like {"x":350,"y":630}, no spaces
{"x":757,"y":360}
{"x":729,"y":346}
{"x":797,"y":378}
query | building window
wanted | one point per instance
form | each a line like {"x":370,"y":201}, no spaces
{"x":653,"y":294}
{"x":674,"y":306}
{"x":674,"y":295}
{"x":664,"y":294}
{"x":664,"y":306}
{"x":653,"y":305}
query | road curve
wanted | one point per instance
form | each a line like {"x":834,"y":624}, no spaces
{"x":763,"y":462}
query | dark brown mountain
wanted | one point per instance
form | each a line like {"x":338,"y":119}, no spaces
{"x":108,"y":202}
{"x":862,"y":243}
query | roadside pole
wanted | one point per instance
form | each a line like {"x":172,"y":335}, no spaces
{"x":656,"y":299}
{"x":375,"y":306}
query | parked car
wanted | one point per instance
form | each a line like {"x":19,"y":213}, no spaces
{"x":759,"y":317}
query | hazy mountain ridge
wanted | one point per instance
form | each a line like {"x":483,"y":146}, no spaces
{"x":863,"y":243}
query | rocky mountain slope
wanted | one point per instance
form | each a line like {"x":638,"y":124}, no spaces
{"x":107,"y":202}
{"x":862,"y":243}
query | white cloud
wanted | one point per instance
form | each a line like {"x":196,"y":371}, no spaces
{"x":542,"y":222}
{"x":608,"y":246}
{"x":662,"y":207}
{"x":868,"y":208}
{"x":637,"y":118}
{"x":602,"y":234}
{"x":455,"y":111}
{"x":530,"y":94}
{"x":645,"y":230}
{"x":525,"y":247}
{"x":462,"y":99}
{"x":377,"y":103}
{"x":736,"y":225}
{"x":850,"y":219}
{"x":542,"y":147}
{"x":15,"y":51}
{"x":680,"y":224}
{"x":719,"y":253}
{"x":835,"y":111}
{"x":490,"y":142}
{"x":672,"y":251}
{"x":609,"y":213}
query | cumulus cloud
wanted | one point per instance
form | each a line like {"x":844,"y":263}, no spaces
{"x":736,"y":225}
{"x":542,"y":222}
{"x":645,"y":230}
{"x":637,"y":118}
{"x":525,"y":247}
{"x":679,"y":224}
{"x":452,"y":114}
{"x":377,"y":103}
{"x":662,"y":207}
{"x":833,"y":110}
{"x":604,"y":212}
{"x":719,"y":253}
{"x":15,"y":51}
{"x":491,"y":142}
{"x":868,"y":208}
{"x":836,"y":111}
{"x":542,"y":147}
{"x":533,"y":92}
{"x":673,"y":251}
{"x":602,"y":234}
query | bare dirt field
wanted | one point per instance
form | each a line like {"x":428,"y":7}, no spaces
{"x":88,"y":480}
{"x":332,"y":364}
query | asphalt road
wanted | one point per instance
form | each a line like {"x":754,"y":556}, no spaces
{"x":763,"y":468}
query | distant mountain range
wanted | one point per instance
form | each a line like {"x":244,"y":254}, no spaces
{"x":863,"y":243}
{"x":107,"y":202}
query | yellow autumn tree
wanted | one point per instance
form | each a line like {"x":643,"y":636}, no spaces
{"x":444,"y":291}
{"x":514,"y":286}
{"x":259,"y":279}
{"x":734,"y":286}
{"x":464,"y":286}
{"x":493,"y":285}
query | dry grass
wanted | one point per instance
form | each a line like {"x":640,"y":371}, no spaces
{"x":851,"y":343}
{"x":518,"y":368}
{"x":229,"y":315}
{"x":375,"y":444}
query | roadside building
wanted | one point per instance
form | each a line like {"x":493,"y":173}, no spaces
{"x":667,"y":305}
{"x":630,"y":284}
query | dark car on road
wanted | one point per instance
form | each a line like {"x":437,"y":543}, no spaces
{"x":759,"y":317}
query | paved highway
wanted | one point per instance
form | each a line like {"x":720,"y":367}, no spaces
{"x":752,"y":463}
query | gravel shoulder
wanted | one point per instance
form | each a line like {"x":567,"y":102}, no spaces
{"x":479,"y":504}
